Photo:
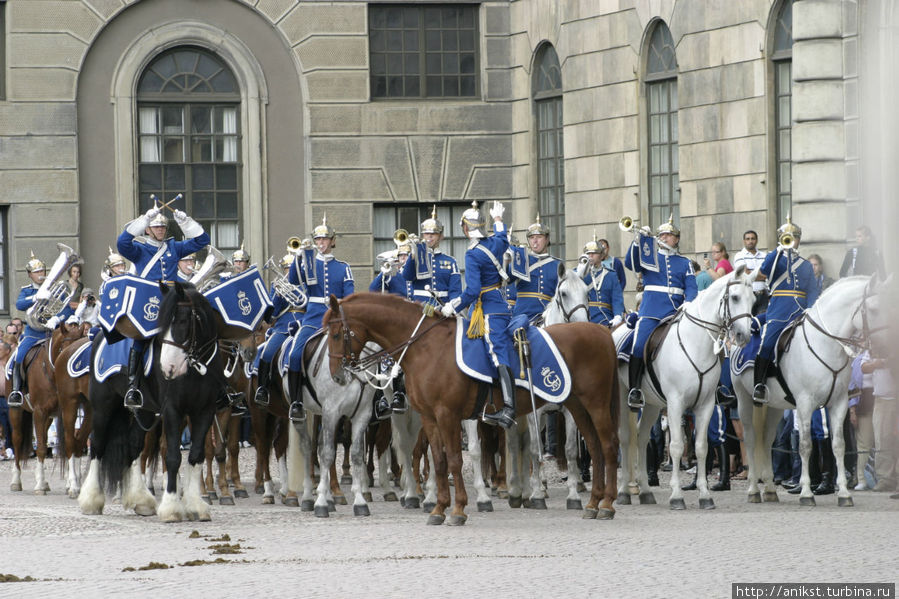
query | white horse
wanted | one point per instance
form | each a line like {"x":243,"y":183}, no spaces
{"x":688,"y":368}
{"x":333,"y":401}
{"x":569,"y":304}
{"x":817,"y":368}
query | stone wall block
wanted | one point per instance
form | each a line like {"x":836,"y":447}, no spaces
{"x":817,"y":19}
{"x":335,"y":118}
{"x":46,"y":220}
{"x":823,"y":140}
{"x":466,"y":153}
{"x":336,"y":51}
{"x":275,"y":9}
{"x":105,"y":8}
{"x":338,"y":86}
{"x":496,"y":19}
{"x":33,"y":186}
{"x":37,"y":118}
{"x":53,"y":16}
{"x":817,"y":100}
{"x":310,"y":18}
{"x":428,"y":156}
{"x":490,"y":183}
{"x":346,"y":218}
{"x":818,"y":181}
{"x":45,"y":152}
{"x":45,"y":50}
{"x":818,"y":59}
{"x":350,"y":184}
{"x":36,"y":85}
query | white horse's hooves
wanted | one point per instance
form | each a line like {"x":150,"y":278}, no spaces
{"x":624,"y":499}
{"x":321,"y":511}
{"x":677,"y":504}
{"x":145,"y":510}
{"x":171,"y":518}
{"x":754,"y":497}
{"x":268,"y":500}
{"x":808,"y":501}
{"x":706,"y":504}
{"x":770,"y":497}
{"x":361,"y":510}
{"x":485,"y":506}
{"x":40,"y":491}
{"x":647,"y":498}
{"x":574,"y":504}
{"x":845,"y":502}
{"x":15,"y":487}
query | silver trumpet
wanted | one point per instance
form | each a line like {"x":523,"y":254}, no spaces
{"x":292,"y":294}
{"x":54,"y":292}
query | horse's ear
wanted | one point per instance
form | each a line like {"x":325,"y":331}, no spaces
{"x":561,"y":269}
{"x":335,"y":304}
{"x":179,"y":289}
{"x":741,"y":270}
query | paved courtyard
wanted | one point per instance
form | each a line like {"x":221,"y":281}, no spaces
{"x":646,"y":551}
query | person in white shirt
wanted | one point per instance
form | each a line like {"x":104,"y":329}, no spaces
{"x":752,"y":259}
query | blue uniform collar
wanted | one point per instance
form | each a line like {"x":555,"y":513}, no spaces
{"x":324,"y":257}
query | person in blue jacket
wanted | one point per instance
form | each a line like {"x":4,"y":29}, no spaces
{"x":668,"y":281}
{"x":442,"y":278}
{"x":326,"y":276}
{"x":155,"y":258}
{"x":484,"y":275}
{"x":534,"y":293}
{"x":390,"y":280}
{"x":605,"y":297}
{"x":792,"y":287}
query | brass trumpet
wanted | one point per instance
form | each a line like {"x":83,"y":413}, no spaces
{"x":400,"y":237}
{"x":626,"y":224}
{"x":788,"y":241}
{"x":294,"y":244}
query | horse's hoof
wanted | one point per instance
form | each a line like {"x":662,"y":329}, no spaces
{"x":321,"y":511}
{"x":411,"y":503}
{"x":538,"y":503}
{"x":624,"y":499}
{"x":457,"y":520}
{"x":45,"y":487}
{"x":260,"y":489}
{"x":845,"y":502}
{"x":573,"y":504}
{"x":346,"y":479}
{"x":206,"y":499}
{"x":388,"y":496}
{"x":15,"y":487}
{"x":502,"y":494}
{"x":361,"y":510}
{"x":514,"y":502}
{"x":73,"y":494}
{"x":771,"y":497}
{"x":633,"y":488}
{"x":485,"y":506}
{"x":241,"y":494}
{"x":367,"y":496}
{"x":294,"y":502}
{"x":755,"y":497}
{"x":807,"y":501}
{"x":226,"y":500}
{"x":40,"y":491}
{"x":428,"y":506}
{"x":590,"y":513}
{"x":677,"y":504}
{"x":213,"y":496}
{"x":268,"y":500}
{"x":647,"y":498}
{"x":145,"y":510}
{"x":341,"y":500}
{"x":152,"y":491}
{"x":332,"y":505}
{"x":706,"y":504}
{"x":436,"y":519}
{"x":605,"y":514}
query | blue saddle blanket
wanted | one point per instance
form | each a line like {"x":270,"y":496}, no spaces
{"x":242,"y":300}
{"x":80,"y":362}
{"x":742,"y":358}
{"x":552,"y":380}
{"x":111,"y":359}
{"x":132,"y":297}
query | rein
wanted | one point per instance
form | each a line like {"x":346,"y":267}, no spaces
{"x":567,"y":314}
{"x":192,"y":348}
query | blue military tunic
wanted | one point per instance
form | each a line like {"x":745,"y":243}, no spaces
{"x":532,"y":297}
{"x":483,"y":281}
{"x":604,"y":296}
{"x":164,"y":267}
{"x":446,"y":280}
{"x":395,"y":285}
{"x":333,"y":277}
{"x":283,"y":314}
{"x":793,"y":289}
{"x":663,"y":291}
{"x":30,"y":335}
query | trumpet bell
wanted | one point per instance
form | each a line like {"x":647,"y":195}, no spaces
{"x":788,"y":241}
{"x":626,"y":224}
{"x":400,"y":237}
{"x":294,"y":244}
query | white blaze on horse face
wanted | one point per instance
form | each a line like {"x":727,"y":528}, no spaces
{"x":172,"y":359}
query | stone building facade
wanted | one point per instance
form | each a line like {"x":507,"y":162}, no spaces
{"x":269,"y":114}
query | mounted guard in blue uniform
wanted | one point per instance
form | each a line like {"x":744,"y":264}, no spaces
{"x":321,"y":276}
{"x":792,"y":288}
{"x":490,"y":317}
{"x":289,"y":302}
{"x":668,"y":282}
{"x":605,"y":296}
{"x":534,"y":275}
{"x":155,"y":258}
{"x":430,"y":270}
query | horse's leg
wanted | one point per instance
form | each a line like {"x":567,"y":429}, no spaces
{"x":357,"y":458}
{"x":171,"y":509}
{"x":754,"y":419}
{"x":474,"y":451}
{"x":135,"y":495}
{"x":627,"y":428}
{"x":209,"y":479}
{"x":438,"y":455}
{"x":514,"y":460}
{"x":404,"y":429}
{"x":452,"y":444}
{"x":573,"y":501}
{"x":804,"y":411}
{"x":299,"y":464}
{"x":68,"y":408}
{"x":91,"y":498}
{"x":264,"y":432}
{"x":502,"y":489}
{"x":703,"y":414}
{"x":536,"y":496}
{"x":41,"y":426}
{"x":767,"y":469}
{"x":676,"y":449}
{"x":233,"y":446}
{"x":201,"y":418}
{"x":221,"y":455}
{"x":838,"y":411}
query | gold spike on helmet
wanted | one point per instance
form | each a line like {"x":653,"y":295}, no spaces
{"x":286,"y":260}
{"x":240,"y":255}
{"x":788,"y":228}
{"x":324,"y":229}
{"x":668,"y":227}
{"x":538,"y":228}
{"x":432,"y":225}
{"x":114,"y":259}
{"x":593,"y":247}
{"x":475,"y":221}
{"x":34,"y":264}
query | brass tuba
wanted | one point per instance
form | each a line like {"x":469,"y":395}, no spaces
{"x":207,"y":276}
{"x":54,"y":292}
{"x":292,"y":294}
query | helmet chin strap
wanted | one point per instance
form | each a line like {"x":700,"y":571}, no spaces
{"x":667,"y":247}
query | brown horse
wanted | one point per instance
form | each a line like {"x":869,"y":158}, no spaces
{"x":73,"y":394}
{"x":40,"y":406}
{"x":444,"y":395}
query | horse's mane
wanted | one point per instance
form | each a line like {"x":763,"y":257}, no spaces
{"x":841,"y":286}
{"x":190,"y":293}
{"x":390,"y":303}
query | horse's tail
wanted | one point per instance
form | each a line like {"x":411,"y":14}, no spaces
{"x":117,"y":452}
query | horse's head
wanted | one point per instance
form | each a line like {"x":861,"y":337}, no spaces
{"x":569,"y":304}
{"x":62,"y":337}
{"x":344,"y":343}
{"x":735,"y":298}
{"x":188,"y":331}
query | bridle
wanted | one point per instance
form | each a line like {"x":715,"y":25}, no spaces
{"x":194,"y":350}
{"x":567,"y":314}
{"x":727,"y":319}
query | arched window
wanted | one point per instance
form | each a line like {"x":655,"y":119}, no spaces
{"x":661,"y":93}
{"x":188,"y":106}
{"x":782,"y":59}
{"x":547,"y":93}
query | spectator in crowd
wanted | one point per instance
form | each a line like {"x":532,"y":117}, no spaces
{"x":6,"y":446}
{"x":11,"y":339}
{"x":821,"y":280}
{"x":864,"y":258}
{"x":717,"y":264}
{"x":703,"y":279}
{"x":752,"y":259}
{"x":885,"y":417}
{"x":20,"y":326}
{"x":11,"y":329}
{"x":612,"y":263}
{"x":75,"y":285}
{"x":861,"y":410}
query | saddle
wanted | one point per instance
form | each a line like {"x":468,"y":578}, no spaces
{"x":650,"y":352}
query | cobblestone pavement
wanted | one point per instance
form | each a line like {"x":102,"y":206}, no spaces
{"x":646,"y":551}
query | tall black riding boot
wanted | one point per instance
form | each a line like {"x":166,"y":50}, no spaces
{"x":399,"y":405}
{"x":723,"y":483}
{"x":708,"y":466}
{"x":382,"y":408}
{"x":634,"y":377}
{"x":828,"y":468}
{"x":16,"y":398}
{"x":295,"y":389}
{"x":505,"y":417}
{"x":134,"y":399}
{"x":652,"y":464}
{"x":262,"y":379}
{"x":760,"y":378}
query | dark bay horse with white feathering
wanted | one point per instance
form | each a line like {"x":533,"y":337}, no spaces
{"x":445,"y":396}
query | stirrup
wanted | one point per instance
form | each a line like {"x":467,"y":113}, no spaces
{"x":15,"y":399}
{"x":500,"y":418}
{"x":400,"y":405}
{"x":382,"y":409}
{"x":760,"y":394}
{"x":261,"y":397}
{"x":134,"y":399}
{"x":237,"y":403}
{"x":635,"y":400}
{"x":296,"y":413}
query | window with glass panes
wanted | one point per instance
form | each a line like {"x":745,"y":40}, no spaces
{"x":783,"y":94}
{"x":423,"y":51}
{"x":661,"y":92}
{"x":547,"y":85}
{"x":188,"y":112}
{"x":390,"y":217}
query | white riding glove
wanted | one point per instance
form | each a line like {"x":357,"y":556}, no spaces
{"x":448,"y":310}
{"x":53,"y":322}
{"x":140,"y":224}
{"x":616,"y":320}
{"x":497,"y":210}
{"x":189,"y":226}
{"x":152,"y":213}
{"x":386,"y":269}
